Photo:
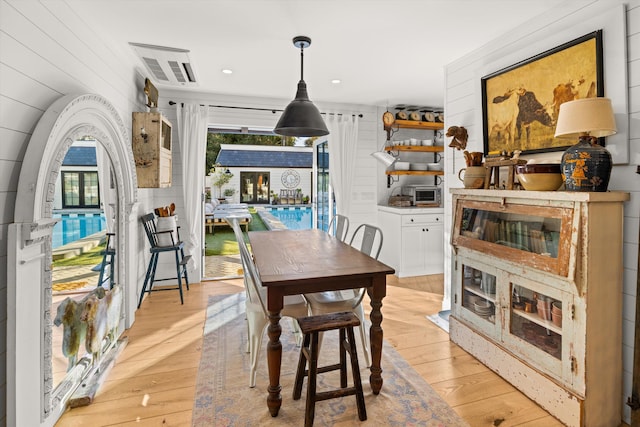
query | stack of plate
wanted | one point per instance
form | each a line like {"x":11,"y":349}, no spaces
{"x":419,"y":167}
{"x":483,"y":308}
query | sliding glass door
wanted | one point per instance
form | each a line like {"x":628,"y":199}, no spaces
{"x":323,"y":194}
{"x":254,"y":187}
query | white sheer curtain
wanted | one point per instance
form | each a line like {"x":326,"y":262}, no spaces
{"x":192,"y":129}
{"x":343,"y":142}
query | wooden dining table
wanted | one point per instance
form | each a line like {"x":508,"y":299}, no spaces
{"x":292,"y":262}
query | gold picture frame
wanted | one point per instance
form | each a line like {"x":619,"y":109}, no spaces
{"x":520,"y":103}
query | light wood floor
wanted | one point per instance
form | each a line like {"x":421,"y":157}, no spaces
{"x":153,"y":382}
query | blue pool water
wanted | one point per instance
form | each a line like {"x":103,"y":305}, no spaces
{"x":294,"y":218}
{"x":72,"y":227}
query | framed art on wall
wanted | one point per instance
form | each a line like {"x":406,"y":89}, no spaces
{"x":520,"y":103}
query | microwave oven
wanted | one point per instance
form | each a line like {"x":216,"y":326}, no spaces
{"x":423,"y":195}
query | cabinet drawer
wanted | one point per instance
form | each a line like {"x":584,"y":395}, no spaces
{"x":422,"y":219}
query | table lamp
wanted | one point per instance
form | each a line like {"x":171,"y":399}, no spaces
{"x":586,"y":166}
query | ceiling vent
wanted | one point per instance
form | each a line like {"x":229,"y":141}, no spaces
{"x":167,"y":65}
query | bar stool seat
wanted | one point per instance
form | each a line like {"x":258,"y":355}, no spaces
{"x":311,"y":327}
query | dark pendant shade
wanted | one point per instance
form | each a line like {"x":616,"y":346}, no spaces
{"x":301,"y":117}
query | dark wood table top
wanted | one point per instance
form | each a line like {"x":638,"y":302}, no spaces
{"x":296,"y":256}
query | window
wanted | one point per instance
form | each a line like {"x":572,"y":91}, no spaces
{"x":254,"y":187}
{"x":80,"y":190}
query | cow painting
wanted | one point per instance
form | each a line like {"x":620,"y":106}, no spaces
{"x":529,"y":110}
{"x":503,"y":117}
{"x":574,"y":89}
{"x":541,"y":84}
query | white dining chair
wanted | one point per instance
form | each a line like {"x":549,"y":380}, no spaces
{"x":256,"y":309}
{"x":368,"y":239}
{"x":339,"y":227}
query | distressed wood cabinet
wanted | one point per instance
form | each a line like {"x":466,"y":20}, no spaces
{"x":537,"y":291}
{"x":152,"y":149}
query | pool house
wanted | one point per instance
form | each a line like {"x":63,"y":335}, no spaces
{"x":260,"y":171}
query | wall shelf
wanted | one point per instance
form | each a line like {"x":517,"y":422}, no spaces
{"x":412,"y":124}
{"x":417,"y":148}
{"x":427,"y":173}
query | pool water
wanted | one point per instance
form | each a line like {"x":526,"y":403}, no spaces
{"x":294,"y":218}
{"x":72,"y":227}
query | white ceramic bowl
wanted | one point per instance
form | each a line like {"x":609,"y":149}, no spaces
{"x":427,"y":142}
{"x":402,"y":166}
{"x":414,"y":141}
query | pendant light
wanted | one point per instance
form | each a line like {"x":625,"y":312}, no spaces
{"x":301,"y":117}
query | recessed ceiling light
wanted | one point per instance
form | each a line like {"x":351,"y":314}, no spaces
{"x":336,"y":81}
{"x":227,"y":71}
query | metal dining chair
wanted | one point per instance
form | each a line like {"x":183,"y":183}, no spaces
{"x":256,"y":309}
{"x":368,"y":239}
{"x":339,"y":227}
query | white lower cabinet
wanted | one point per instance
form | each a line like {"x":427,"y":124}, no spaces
{"x":413,"y":240}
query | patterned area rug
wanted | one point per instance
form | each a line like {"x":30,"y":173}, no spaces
{"x":69,"y":286}
{"x":223,"y":396}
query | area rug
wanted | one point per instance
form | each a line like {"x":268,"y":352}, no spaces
{"x":69,"y":286}
{"x":441,"y":319}
{"x":223,"y":396}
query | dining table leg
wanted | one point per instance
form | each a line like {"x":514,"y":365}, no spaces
{"x":274,"y":360}
{"x":376,"y":293}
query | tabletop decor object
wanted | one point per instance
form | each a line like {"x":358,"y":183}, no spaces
{"x":586,"y":166}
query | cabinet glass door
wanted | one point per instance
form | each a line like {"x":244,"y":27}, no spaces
{"x":479,"y":293}
{"x":537,"y":319}
{"x":536,"y":236}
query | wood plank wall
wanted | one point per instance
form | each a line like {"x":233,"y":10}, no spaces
{"x":47,"y":52}
{"x":463,"y":107}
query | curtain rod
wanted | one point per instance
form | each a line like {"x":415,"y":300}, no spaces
{"x":273,"y":110}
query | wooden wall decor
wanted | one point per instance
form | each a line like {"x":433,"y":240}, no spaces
{"x":152,"y":150}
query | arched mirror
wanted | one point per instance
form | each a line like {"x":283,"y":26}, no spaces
{"x":36,"y":363}
{"x":83,"y":249}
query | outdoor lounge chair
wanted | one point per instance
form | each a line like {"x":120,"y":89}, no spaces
{"x":217,"y":216}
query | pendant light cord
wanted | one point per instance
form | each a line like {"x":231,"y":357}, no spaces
{"x":302,"y":62}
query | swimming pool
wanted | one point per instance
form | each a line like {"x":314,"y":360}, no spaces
{"x":72,"y":227}
{"x":291,"y":217}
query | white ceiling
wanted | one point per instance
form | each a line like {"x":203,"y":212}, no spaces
{"x":385,"y":52}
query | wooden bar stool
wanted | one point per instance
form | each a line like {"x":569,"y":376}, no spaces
{"x":311,"y":326}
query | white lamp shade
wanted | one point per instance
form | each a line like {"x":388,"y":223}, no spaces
{"x":588,"y":116}
{"x":384,"y":158}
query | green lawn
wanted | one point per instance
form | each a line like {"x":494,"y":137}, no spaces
{"x":91,"y":257}
{"x":223,"y":241}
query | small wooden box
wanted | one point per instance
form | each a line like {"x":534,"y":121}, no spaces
{"x":400,"y":201}
{"x":152,"y":150}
